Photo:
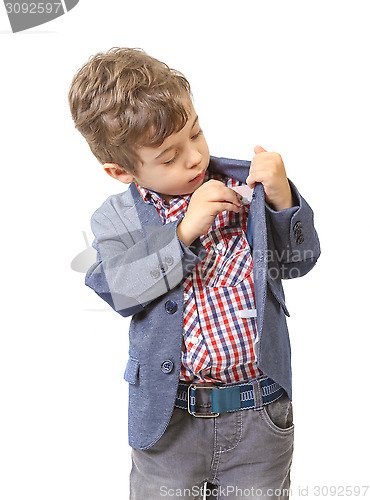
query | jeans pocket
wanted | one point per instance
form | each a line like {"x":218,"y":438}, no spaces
{"x":279,"y":414}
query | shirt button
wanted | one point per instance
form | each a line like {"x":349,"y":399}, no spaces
{"x":186,"y":296}
{"x":170,"y":306}
{"x":195,"y":340}
{"x":219,"y":246}
{"x":167,"y":366}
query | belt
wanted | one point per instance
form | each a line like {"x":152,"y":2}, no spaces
{"x":227,"y":398}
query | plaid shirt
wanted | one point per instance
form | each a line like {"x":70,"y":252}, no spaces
{"x":220,"y":324}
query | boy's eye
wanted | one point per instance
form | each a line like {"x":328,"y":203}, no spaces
{"x":172,"y":160}
{"x":197,"y":134}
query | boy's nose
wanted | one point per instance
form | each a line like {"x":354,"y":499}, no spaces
{"x":193,"y":159}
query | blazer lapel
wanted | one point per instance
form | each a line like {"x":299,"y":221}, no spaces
{"x":259,"y":236}
{"x":256,"y":228}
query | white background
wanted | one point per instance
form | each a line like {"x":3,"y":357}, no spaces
{"x":291,"y":76}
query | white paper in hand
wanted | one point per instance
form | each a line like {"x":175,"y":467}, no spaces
{"x":245,"y":191}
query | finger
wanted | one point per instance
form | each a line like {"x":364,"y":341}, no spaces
{"x":223,"y":193}
{"x":229,"y":207}
{"x":234,"y":196}
{"x":250,"y":181}
{"x":259,"y":149}
{"x":260,"y":175}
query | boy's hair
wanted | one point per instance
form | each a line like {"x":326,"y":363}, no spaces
{"x":123,"y":99}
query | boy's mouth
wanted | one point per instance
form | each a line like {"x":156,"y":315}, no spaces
{"x":199,"y":176}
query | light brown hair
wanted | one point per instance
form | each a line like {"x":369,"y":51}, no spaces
{"x":123,"y":99}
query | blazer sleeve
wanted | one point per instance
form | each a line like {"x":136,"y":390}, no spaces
{"x":295,"y":238}
{"x":135,"y":268}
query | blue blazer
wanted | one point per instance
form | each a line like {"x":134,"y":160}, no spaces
{"x":139,"y":271}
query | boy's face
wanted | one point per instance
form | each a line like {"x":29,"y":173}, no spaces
{"x":177,"y":167}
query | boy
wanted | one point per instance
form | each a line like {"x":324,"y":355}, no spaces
{"x":200,"y":274}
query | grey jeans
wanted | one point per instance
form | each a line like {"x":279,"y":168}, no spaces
{"x":241,"y":454}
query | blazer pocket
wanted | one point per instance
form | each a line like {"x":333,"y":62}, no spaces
{"x":131,"y":374}
{"x":277,"y":292}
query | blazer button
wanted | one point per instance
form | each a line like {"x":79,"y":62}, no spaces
{"x":155,"y":274}
{"x":169,"y":260}
{"x":170,"y":306}
{"x":167,"y":366}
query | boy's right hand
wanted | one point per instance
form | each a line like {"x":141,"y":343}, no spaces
{"x":206,"y":202}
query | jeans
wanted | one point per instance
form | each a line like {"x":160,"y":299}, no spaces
{"x":241,"y":454}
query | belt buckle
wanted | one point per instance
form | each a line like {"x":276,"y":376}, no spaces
{"x":197,"y":414}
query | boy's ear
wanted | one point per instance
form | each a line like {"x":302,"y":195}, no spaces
{"x":116,"y":171}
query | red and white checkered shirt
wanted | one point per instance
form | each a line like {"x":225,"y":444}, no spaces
{"x":220,"y":324}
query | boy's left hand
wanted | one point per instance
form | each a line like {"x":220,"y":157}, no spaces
{"x":268,"y":168}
